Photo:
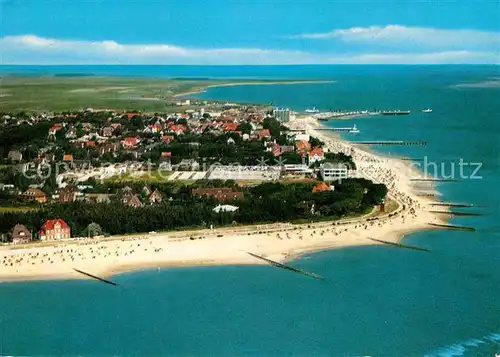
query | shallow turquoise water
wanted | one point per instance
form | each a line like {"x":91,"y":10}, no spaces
{"x":376,"y":301}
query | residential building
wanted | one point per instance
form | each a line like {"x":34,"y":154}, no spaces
{"x":67,"y":194}
{"x":132,"y":201}
{"x":155,"y":197}
{"x":316,"y":154}
{"x":54,"y":229}
{"x":322,"y":187}
{"x":303,"y":147}
{"x":34,"y":194}
{"x":15,"y":156}
{"x":220,"y":193}
{"x":21,"y":234}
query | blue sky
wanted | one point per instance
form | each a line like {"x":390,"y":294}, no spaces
{"x":248,"y":32}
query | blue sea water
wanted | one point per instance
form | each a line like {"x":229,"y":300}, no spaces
{"x":376,"y":301}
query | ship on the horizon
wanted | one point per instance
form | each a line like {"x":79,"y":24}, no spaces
{"x":313,"y":110}
{"x":428,"y":110}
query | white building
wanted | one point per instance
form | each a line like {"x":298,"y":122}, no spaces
{"x":282,"y":115}
{"x":334,"y":172}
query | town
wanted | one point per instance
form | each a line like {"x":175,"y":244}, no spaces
{"x":93,"y":172}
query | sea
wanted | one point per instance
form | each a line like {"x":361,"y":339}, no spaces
{"x":376,"y":300}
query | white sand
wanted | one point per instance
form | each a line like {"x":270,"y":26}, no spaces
{"x":229,"y":245}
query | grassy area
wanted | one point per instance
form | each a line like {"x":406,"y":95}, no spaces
{"x":17,"y":209}
{"x":59,"y":93}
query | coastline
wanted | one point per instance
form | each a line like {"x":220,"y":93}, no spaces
{"x":226,"y":246}
{"x":202,"y":89}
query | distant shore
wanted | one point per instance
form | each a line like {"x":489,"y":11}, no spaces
{"x":281,"y":241}
{"x":202,"y":89}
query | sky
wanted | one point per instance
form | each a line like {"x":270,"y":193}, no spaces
{"x":249,"y":31}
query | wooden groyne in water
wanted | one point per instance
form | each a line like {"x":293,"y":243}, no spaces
{"x":433,"y":180}
{"x":399,"y":245}
{"x":392,"y":142}
{"x":452,"y":213}
{"x":96,"y":277}
{"x":444,"y":204}
{"x":452,"y":226}
{"x":287,"y":267}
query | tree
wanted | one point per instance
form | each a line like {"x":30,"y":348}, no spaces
{"x":92,"y":230}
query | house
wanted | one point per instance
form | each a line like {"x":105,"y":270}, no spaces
{"x":155,"y":197}
{"x":230,"y":141}
{"x":166,"y":139}
{"x":34,"y":194}
{"x":264,"y":134}
{"x":229,"y":126}
{"x":220,"y":193}
{"x":316,"y":154}
{"x":322,"y":187}
{"x":132,"y":201}
{"x":109,"y":147}
{"x":68,"y":157}
{"x":67,"y":195}
{"x":107,"y":131}
{"x":20,"y":234}
{"x":54,"y":229}
{"x":131,"y":115}
{"x":71,"y":133}
{"x":98,"y":198}
{"x":303,"y":147}
{"x":54,"y":129}
{"x":15,"y":156}
{"x":130,"y":142}
{"x":275,"y":149}
{"x":165,"y":156}
{"x":287,"y":148}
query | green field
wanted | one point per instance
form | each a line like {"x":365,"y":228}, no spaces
{"x":60,"y":93}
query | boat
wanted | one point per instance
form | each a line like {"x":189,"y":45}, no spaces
{"x":395,"y":112}
{"x":313,"y":110}
{"x":354,"y":130}
{"x":428,"y":110}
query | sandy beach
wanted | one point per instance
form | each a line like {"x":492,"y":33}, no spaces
{"x":202,"y":89}
{"x":279,"y":242}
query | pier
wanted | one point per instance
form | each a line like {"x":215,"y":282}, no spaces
{"x":392,"y":142}
{"x":96,"y":277}
{"x":286,"y":267}
{"x":399,"y":245}
{"x":452,"y":226}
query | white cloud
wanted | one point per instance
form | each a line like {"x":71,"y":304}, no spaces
{"x":402,"y":35}
{"x":49,"y":50}
{"x":31,"y":49}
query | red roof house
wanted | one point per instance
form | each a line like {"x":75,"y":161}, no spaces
{"x":316,"y":154}
{"x":54,"y":229}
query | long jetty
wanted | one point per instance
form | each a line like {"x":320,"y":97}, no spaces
{"x":399,"y":245}
{"x":96,"y":277}
{"x":452,"y":226}
{"x":392,"y":142}
{"x":287,"y":267}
